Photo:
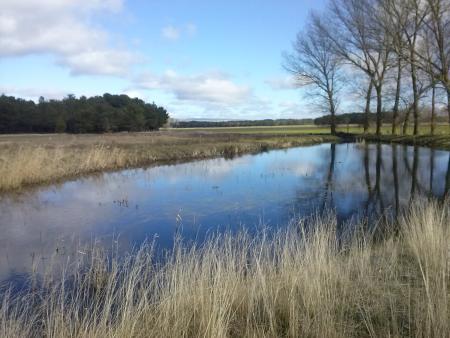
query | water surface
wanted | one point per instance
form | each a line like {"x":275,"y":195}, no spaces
{"x":192,"y":199}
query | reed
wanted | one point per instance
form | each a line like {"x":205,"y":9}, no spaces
{"x":36,"y":159}
{"x":308,"y":280}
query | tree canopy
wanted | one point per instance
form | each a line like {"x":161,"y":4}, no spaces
{"x":98,"y":114}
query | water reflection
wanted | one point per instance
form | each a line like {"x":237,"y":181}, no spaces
{"x":122,"y":209}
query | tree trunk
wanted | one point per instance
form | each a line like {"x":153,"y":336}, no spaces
{"x":406,"y":121}
{"x":415,"y":95}
{"x":397,"y":97}
{"x":448,"y":103}
{"x":332,"y":112}
{"x":379,"y":109}
{"x":433,"y":108}
{"x":367,"y":109}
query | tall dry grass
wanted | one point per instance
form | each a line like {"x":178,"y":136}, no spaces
{"x":34,"y":159}
{"x":304,"y":281}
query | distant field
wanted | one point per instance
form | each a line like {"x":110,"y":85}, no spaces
{"x":309,"y":129}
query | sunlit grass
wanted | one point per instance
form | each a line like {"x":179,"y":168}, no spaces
{"x":300,"y":282}
{"x":34,"y":159}
{"x":386,"y":129}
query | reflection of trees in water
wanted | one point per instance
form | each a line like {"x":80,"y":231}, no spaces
{"x":447,"y":179}
{"x":430,"y":184}
{"x":328,"y":191}
{"x":367,"y":177}
{"x":414,"y":181}
{"x":378,"y":167}
{"x":395,"y":174}
{"x":418,"y":187}
{"x":381,"y":181}
{"x":409,"y":173}
{"x":374,"y":202}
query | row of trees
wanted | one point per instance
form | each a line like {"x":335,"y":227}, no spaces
{"x":392,"y":54}
{"x":241,"y":123}
{"x":387,"y":117}
{"x":107,"y":113}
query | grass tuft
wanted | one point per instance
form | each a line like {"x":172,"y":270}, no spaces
{"x":306,"y":280}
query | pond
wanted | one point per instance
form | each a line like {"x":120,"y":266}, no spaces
{"x":122,"y":209}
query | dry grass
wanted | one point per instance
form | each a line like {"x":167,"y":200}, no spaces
{"x":300,"y":282}
{"x":34,"y":159}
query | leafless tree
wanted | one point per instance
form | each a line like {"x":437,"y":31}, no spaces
{"x":401,"y":48}
{"x":438,"y":24}
{"x":359,"y":39}
{"x":408,"y":17}
{"x":315,"y":66}
{"x":429,"y":52}
{"x":394,"y":27}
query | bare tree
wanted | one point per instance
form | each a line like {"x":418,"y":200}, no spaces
{"x":315,"y":66}
{"x":408,"y":17}
{"x":429,"y":53}
{"x":394,"y":27}
{"x":395,"y":109}
{"x":359,"y":38}
{"x":438,"y":23}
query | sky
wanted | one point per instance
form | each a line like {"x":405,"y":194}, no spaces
{"x":197,"y":58}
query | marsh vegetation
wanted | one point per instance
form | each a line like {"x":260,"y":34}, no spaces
{"x":30,"y":159}
{"x":33,"y":159}
{"x":309,"y":279}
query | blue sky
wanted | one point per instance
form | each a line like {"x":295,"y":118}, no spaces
{"x":198,"y":58}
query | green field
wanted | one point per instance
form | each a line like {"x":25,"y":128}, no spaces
{"x":312,"y":129}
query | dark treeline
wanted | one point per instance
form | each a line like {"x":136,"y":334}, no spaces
{"x":341,"y":119}
{"x":107,"y":113}
{"x":243,"y":123}
{"x":362,"y":118}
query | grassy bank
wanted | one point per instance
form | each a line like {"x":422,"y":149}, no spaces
{"x":302,"y":282}
{"x":441,"y":141}
{"x":34,"y":159}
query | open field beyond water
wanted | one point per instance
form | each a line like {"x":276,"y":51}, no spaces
{"x":34,"y":159}
{"x":27,"y":159}
{"x":314,"y":129}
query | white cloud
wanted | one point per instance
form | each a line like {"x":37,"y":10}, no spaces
{"x":207,"y":95}
{"x":170,"y":33}
{"x":282,"y":83}
{"x":109,"y":62}
{"x":174,"y":33}
{"x":211,"y":87}
{"x":33,"y":93}
{"x":61,"y":28}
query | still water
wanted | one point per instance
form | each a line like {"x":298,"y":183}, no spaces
{"x":194,"y":199}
